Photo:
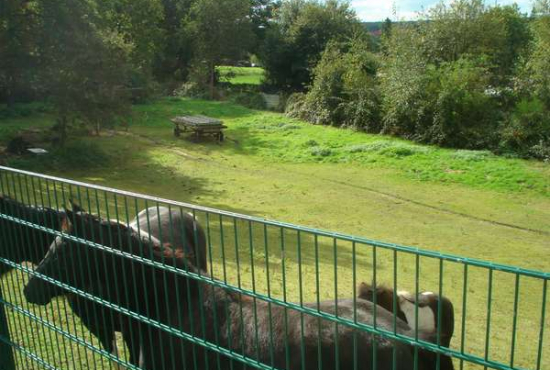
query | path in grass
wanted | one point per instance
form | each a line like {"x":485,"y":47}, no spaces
{"x":465,"y":203}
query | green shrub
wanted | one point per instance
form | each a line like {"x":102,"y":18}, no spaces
{"x":295,"y":105}
{"x":310,"y":143}
{"x":527,"y":132}
{"x":406,"y":85}
{"x":344,"y":90}
{"x":320,"y":152}
{"x":191,"y":90}
{"x":250,"y":100}
{"x":472,"y":155}
{"x":23,"y":110}
{"x":465,"y":115}
{"x":370,"y":147}
{"x":388,"y":148}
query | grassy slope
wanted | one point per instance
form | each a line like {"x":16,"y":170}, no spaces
{"x":466,"y":203}
{"x":242,"y":75}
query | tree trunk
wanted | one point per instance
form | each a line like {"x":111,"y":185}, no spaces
{"x":62,"y":130}
{"x":212,"y":77}
{"x":10,"y":91}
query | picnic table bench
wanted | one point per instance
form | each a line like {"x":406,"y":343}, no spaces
{"x":199,"y":125}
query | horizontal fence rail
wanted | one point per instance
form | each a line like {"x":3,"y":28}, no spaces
{"x":94,"y":277}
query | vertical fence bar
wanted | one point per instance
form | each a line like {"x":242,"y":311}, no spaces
{"x":514,"y":328}
{"x":542,"y":323}
{"x":488,"y":331}
{"x":7,"y":361}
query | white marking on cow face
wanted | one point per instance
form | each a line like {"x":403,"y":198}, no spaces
{"x":54,"y":246}
{"x":426,"y":317}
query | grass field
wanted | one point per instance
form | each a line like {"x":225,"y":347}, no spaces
{"x":241,"y":75}
{"x":466,"y":203}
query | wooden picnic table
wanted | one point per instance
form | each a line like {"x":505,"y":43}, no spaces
{"x":199,"y":125}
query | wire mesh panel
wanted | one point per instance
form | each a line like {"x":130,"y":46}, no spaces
{"x":99,"y":278}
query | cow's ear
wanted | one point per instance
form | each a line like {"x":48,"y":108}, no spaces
{"x":65,"y":223}
{"x":365,"y":291}
{"x":75,"y":207}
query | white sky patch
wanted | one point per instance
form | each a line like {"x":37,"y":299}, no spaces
{"x":378,"y":10}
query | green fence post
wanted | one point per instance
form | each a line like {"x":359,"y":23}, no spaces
{"x":6,"y":355}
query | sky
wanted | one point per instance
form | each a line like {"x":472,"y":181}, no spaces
{"x":378,"y":10}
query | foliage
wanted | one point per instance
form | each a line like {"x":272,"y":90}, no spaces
{"x":219,"y":30}
{"x":465,"y":115}
{"x":175,"y":55}
{"x":300,"y":32}
{"x":344,"y":90}
{"x":405,"y":84}
{"x":294,"y":105}
{"x":85,"y":68}
{"x":536,"y":73}
{"x":528,"y":130}
{"x":252,"y":100}
{"x":468,"y":28}
{"x":447,"y":80}
{"x":18,"y":30}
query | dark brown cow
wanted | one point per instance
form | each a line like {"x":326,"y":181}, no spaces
{"x":428,"y":308}
{"x":278,"y":336}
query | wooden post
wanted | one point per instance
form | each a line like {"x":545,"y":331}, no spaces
{"x":6,"y":354}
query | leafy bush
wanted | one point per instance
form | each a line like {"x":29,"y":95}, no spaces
{"x":527,"y":132}
{"x":143,"y":88}
{"x":465,"y":115}
{"x":406,"y":85}
{"x":310,"y":143}
{"x":191,"y":90}
{"x":344,"y":90}
{"x":250,"y":100}
{"x":320,"y":152}
{"x":23,"y":110}
{"x":295,"y":105}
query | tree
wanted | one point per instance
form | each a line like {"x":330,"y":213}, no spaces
{"x":537,"y":69}
{"x":84,"y":65}
{"x":18,"y":30}
{"x":405,"y":83}
{"x":175,"y":54}
{"x":219,"y":30}
{"x":298,"y":36}
{"x":344,"y":90}
{"x":137,"y":22}
{"x":386,"y":33}
{"x":262,"y":12}
{"x":496,"y":34}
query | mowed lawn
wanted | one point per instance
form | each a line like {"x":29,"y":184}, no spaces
{"x":465,"y":203}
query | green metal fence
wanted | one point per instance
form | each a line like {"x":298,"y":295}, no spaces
{"x":248,"y":307}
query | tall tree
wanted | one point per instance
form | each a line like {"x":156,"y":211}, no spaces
{"x":299,"y":35}
{"x":537,"y":71}
{"x":262,"y":13}
{"x":174,"y":58}
{"x":219,"y":30}
{"x":18,"y":31}
{"x":496,"y":35}
{"x":84,"y":64}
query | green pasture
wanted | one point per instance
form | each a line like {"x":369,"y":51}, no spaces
{"x":466,"y":203}
{"x":241,"y":75}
